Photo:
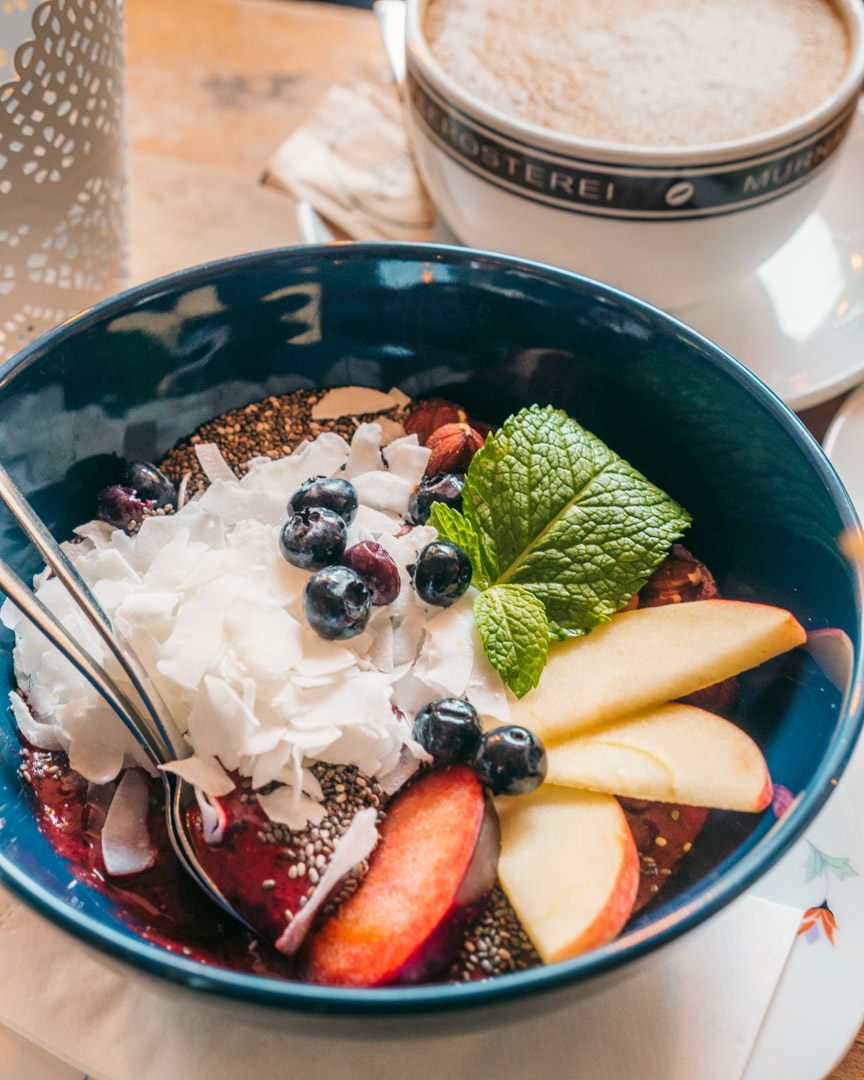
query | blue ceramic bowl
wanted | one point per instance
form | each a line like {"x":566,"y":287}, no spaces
{"x":134,"y":374}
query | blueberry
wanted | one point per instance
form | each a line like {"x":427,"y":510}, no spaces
{"x":336,"y":603}
{"x":510,"y":761}
{"x":446,"y":488}
{"x":121,"y":507}
{"x":313,"y":538}
{"x":333,"y":494}
{"x":377,"y":569}
{"x":442,"y":573}
{"x":449,"y":729}
{"x":150,"y":483}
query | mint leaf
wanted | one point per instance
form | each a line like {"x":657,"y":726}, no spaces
{"x":560,"y":514}
{"x":515,"y":633}
{"x":452,"y":526}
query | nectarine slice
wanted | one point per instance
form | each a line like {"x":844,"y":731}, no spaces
{"x":569,"y":866}
{"x":674,"y":753}
{"x":650,"y":656}
{"x":435,"y":862}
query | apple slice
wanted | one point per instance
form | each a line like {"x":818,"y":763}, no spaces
{"x":569,"y":866}
{"x":674,"y":753}
{"x":649,"y":656}
{"x":428,"y":878}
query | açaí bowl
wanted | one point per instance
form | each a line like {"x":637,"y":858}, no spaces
{"x":132,"y":375}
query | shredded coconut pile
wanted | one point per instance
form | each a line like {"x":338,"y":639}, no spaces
{"x":214,"y":612}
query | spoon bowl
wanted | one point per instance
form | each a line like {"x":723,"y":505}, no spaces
{"x":151,"y":725}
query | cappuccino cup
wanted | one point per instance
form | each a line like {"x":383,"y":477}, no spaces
{"x":672,"y":224}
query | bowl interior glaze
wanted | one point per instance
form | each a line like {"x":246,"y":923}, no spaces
{"x":131,"y":376}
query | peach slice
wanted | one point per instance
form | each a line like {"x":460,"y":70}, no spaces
{"x":675,"y":753}
{"x":569,"y":866}
{"x":427,"y":881}
{"x":650,"y":656}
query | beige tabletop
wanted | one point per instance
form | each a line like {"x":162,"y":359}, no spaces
{"x":214,"y":86}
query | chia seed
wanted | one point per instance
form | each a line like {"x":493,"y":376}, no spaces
{"x":495,"y":945}
{"x":272,"y":427}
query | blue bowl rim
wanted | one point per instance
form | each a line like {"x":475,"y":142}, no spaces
{"x":274,"y":992}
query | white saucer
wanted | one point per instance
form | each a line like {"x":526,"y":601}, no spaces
{"x":798,"y":321}
{"x":844,"y":445}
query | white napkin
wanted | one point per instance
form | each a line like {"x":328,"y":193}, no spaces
{"x":351,"y":160}
{"x":694,"y":1012}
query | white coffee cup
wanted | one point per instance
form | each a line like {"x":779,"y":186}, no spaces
{"x":671,"y":225}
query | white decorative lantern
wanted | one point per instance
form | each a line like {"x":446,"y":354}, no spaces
{"x":63,"y":217}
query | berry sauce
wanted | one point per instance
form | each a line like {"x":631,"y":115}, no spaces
{"x":166,"y":908}
{"x":161,"y":904}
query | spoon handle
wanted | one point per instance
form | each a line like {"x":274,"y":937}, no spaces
{"x":56,"y":558}
{"x":391,"y":19}
{"x":33,"y":609}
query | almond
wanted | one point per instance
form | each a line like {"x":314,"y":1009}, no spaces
{"x":452,"y":446}
{"x":431,"y":414}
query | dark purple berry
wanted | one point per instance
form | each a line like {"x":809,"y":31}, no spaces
{"x":510,"y":761}
{"x":449,"y":730}
{"x":445,"y":488}
{"x":313,"y":538}
{"x":377,"y":569}
{"x":442,"y":573}
{"x":121,"y":507}
{"x":336,"y":603}
{"x":150,"y":483}
{"x":332,"y":493}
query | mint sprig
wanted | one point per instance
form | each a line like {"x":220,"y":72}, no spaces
{"x":515,"y":633}
{"x":550,"y":508}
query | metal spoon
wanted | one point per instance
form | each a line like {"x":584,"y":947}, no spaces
{"x":391,"y":15}
{"x":153,"y":726}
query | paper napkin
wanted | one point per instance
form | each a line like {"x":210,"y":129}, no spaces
{"x":351,"y":161}
{"x":694,"y":1011}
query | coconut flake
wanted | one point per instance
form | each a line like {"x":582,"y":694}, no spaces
{"x":266,"y":639}
{"x":99,"y":744}
{"x":365,"y":453}
{"x":372,"y":524}
{"x":205,"y":773}
{"x":41,"y":735}
{"x":214,"y":819}
{"x":408,"y":459}
{"x":126,"y":847}
{"x":486,"y":690}
{"x":182,"y":489}
{"x":233,"y":502}
{"x":447,"y":658}
{"x":356,"y":845}
{"x":99,"y":533}
{"x":214,"y":465}
{"x":214,"y":612}
{"x":219,"y":721}
{"x":351,"y":401}
{"x":404,"y":769}
{"x":289,"y":806}
{"x":384,"y":491}
{"x":390,"y":430}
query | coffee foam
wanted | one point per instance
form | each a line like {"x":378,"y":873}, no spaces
{"x":644,"y":72}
